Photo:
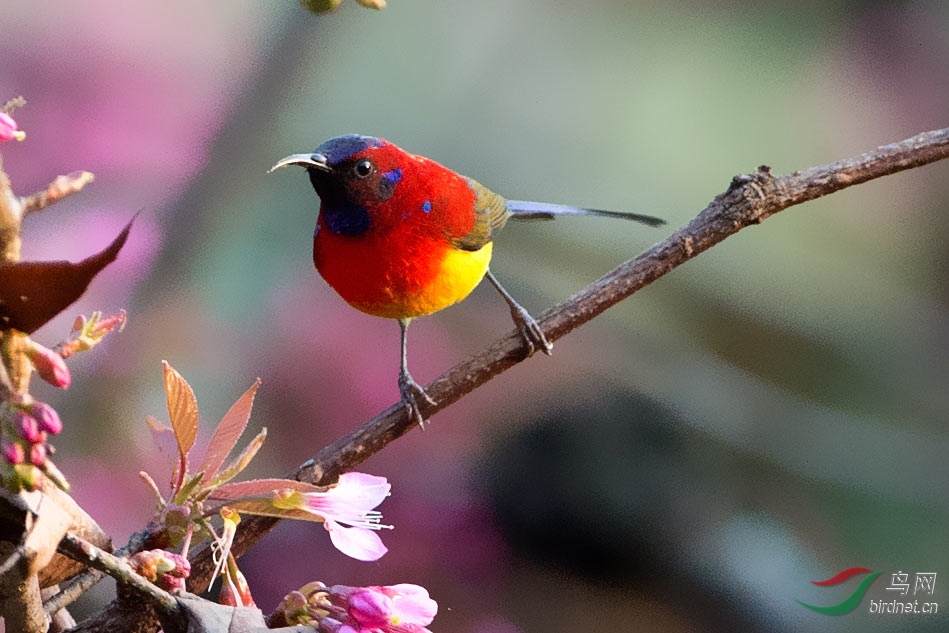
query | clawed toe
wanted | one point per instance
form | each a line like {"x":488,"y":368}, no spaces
{"x":533,"y":336}
{"x":411,"y":393}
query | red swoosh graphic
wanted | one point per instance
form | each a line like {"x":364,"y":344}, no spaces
{"x":840,"y":577}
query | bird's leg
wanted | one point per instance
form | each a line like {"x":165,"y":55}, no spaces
{"x":530,"y":330}
{"x":408,"y":388}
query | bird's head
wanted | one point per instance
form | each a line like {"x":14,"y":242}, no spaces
{"x":351,"y":169}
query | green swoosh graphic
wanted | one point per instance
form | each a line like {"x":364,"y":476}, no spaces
{"x":850,"y":603}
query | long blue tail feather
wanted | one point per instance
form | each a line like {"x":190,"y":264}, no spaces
{"x":527,"y":210}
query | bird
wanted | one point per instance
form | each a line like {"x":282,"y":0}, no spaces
{"x":400,"y":236}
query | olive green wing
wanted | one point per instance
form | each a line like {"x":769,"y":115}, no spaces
{"x":491,"y":213}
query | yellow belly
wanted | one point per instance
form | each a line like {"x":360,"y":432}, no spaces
{"x":460,"y":271}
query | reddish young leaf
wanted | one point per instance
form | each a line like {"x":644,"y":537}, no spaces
{"x":260,"y":506}
{"x":32,"y":293}
{"x":256,"y":497}
{"x":261,"y":487}
{"x":227,"y":433}
{"x":164,"y":438}
{"x":239,"y":463}
{"x":183,"y":411}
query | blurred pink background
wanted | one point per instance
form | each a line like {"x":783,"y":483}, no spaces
{"x":765,"y":416}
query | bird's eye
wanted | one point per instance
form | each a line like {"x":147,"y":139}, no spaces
{"x":363,"y":168}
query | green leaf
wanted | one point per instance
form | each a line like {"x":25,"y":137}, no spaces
{"x":189,"y":486}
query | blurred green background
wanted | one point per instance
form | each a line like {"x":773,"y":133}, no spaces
{"x":765,"y":416}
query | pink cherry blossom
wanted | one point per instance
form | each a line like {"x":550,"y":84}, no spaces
{"x":9,"y":129}
{"x":349,"y":514}
{"x":392,"y":609}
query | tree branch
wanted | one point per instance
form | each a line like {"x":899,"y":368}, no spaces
{"x":55,"y":191}
{"x":749,"y":199}
{"x":71,"y":590}
{"x":85,"y":552}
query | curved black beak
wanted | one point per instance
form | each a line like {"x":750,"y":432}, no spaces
{"x":310,"y":161}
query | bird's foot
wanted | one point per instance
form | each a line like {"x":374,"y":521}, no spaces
{"x":411,"y":392}
{"x":533,"y":336}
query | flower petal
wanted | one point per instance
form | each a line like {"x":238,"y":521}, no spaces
{"x":411,"y":604}
{"x":356,"y":542}
{"x":362,"y":490}
{"x":350,"y":501}
{"x":8,"y":129}
{"x":371,"y":608}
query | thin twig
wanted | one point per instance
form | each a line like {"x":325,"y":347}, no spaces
{"x":71,"y":590}
{"x":87,"y":553}
{"x":55,"y":191}
{"x":10,"y":105}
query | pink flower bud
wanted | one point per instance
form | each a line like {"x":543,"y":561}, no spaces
{"x":146,"y":564}
{"x":9,"y":129}
{"x":173,"y":571}
{"x":87,"y":333}
{"x":47,"y":418}
{"x":12,"y":452}
{"x":228,"y":595}
{"x":49,"y":365}
{"x":177,"y":516}
{"x":38,"y":455}
{"x":293,"y":608}
{"x":294,"y":601}
{"x":234,"y":589}
{"x":371,"y":608}
{"x":164,"y":568}
{"x":26,"y":426}
{"x":182,"y":567}
{"x":171,"y":583}
{"x":104,"y":325}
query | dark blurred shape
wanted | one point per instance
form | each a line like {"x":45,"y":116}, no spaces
{"x":585,"y":486}
{"x":32,"y":293}
{"x":610,"y":492}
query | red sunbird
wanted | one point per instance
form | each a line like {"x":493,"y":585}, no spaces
{"x":401,"y":236}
